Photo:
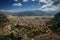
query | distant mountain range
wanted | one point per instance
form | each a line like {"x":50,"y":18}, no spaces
{"x":29,"y":13}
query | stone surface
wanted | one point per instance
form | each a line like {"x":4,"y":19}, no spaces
{"x":4,"y":25}
{"x":57,"y":18}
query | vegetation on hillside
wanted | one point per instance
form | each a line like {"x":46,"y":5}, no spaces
{"x":54,"y":24}
{"x":19,"y":32}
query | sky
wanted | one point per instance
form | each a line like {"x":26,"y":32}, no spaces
{"x":20,"y":4}
{"x":48,"y":6}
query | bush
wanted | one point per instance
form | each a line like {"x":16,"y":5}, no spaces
{"x":53,"y":26}
{"x":30,"y":31}
{"x":9,"y":37}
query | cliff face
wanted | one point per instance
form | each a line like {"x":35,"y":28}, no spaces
{"x":4,"y":24}
{"x":57,"y":20}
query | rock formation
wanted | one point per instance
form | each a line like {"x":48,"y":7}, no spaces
{"x":4,"y":24}
{"x":57,"y":18}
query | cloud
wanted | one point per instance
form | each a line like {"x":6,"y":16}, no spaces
{"x":56,"y":2}
{"x":17,"y":4}
{"x":16,"y":0}
{"x":25,"y":0}
{"x":33,"y":0}
{"x":51,"y":6}
{"x":46,"y":1}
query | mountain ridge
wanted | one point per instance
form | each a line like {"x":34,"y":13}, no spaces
{"x":29,"y":13}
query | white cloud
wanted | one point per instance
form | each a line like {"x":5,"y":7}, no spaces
{"x":46,"y":1}
{"x":50,"y":8}
{"x":16,"y":0}
{"x":25,"y":0}
{"x":17,"y":4}
{"x":33,"y":0}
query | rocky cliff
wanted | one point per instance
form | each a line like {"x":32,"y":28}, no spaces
{"x":4,"y":24}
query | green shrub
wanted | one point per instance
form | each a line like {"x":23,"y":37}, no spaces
{"x":53,"y":26}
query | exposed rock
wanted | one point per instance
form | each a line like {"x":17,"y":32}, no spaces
{"x":57,"y":18}
{"x":4,"y":25}
{"x":3,"y":20}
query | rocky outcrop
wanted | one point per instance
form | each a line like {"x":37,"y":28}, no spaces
{"x":3,"y":20}
{"x":57,"y":21}
{"x":4,"y":25}
{"x":57,"y":18}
